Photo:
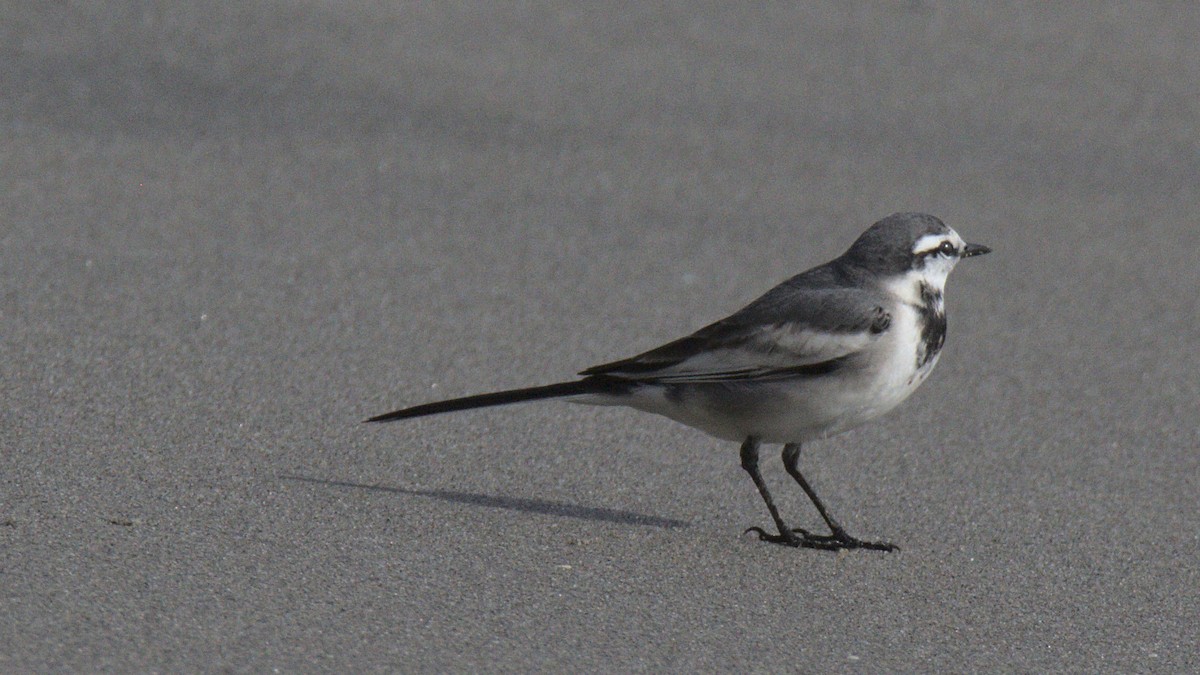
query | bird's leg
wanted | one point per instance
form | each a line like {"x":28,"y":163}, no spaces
{"x":750,"y":464}
{"x":839,"y":538}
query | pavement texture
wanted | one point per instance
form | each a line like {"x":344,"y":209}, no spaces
{"x":231,"y":231}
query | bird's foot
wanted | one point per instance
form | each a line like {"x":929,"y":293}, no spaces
{"x":839,"y":540}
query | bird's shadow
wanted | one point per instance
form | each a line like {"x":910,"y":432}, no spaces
{"x":540,"y":506}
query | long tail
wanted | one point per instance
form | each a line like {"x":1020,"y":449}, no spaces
{"x":588,"y":385}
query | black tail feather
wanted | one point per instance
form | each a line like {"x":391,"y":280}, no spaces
{"x":590,"y":385}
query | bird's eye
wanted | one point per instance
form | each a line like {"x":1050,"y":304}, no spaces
{"x":947,"y":249}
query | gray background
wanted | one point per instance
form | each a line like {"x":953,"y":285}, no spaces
{"x":230,"y":231}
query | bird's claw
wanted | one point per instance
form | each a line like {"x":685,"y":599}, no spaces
{"x":801,"y":538}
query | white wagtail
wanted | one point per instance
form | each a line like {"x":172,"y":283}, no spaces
{"x":823,"y":352}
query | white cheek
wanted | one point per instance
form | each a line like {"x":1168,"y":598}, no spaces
{"x":936,"y":269}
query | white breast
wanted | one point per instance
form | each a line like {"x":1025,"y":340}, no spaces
{"x":894,"y":374}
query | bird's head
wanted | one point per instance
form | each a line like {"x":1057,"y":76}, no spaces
{"x":912,"y":250}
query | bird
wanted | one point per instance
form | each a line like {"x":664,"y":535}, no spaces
{"x":821,"y":353}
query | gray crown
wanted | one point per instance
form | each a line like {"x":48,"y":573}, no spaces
{"x":886,"y":247}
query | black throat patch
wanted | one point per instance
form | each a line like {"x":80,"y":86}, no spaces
{"x":933,"y":325}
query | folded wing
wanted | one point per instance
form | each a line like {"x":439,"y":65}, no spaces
{"x":776,"y":336}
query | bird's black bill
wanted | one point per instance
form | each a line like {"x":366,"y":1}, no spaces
{"x":974,"y":250}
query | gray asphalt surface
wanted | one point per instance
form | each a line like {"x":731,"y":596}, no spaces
{"x":229,"y":234}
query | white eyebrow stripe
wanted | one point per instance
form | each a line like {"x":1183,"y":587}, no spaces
{"x":930,"y":242}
